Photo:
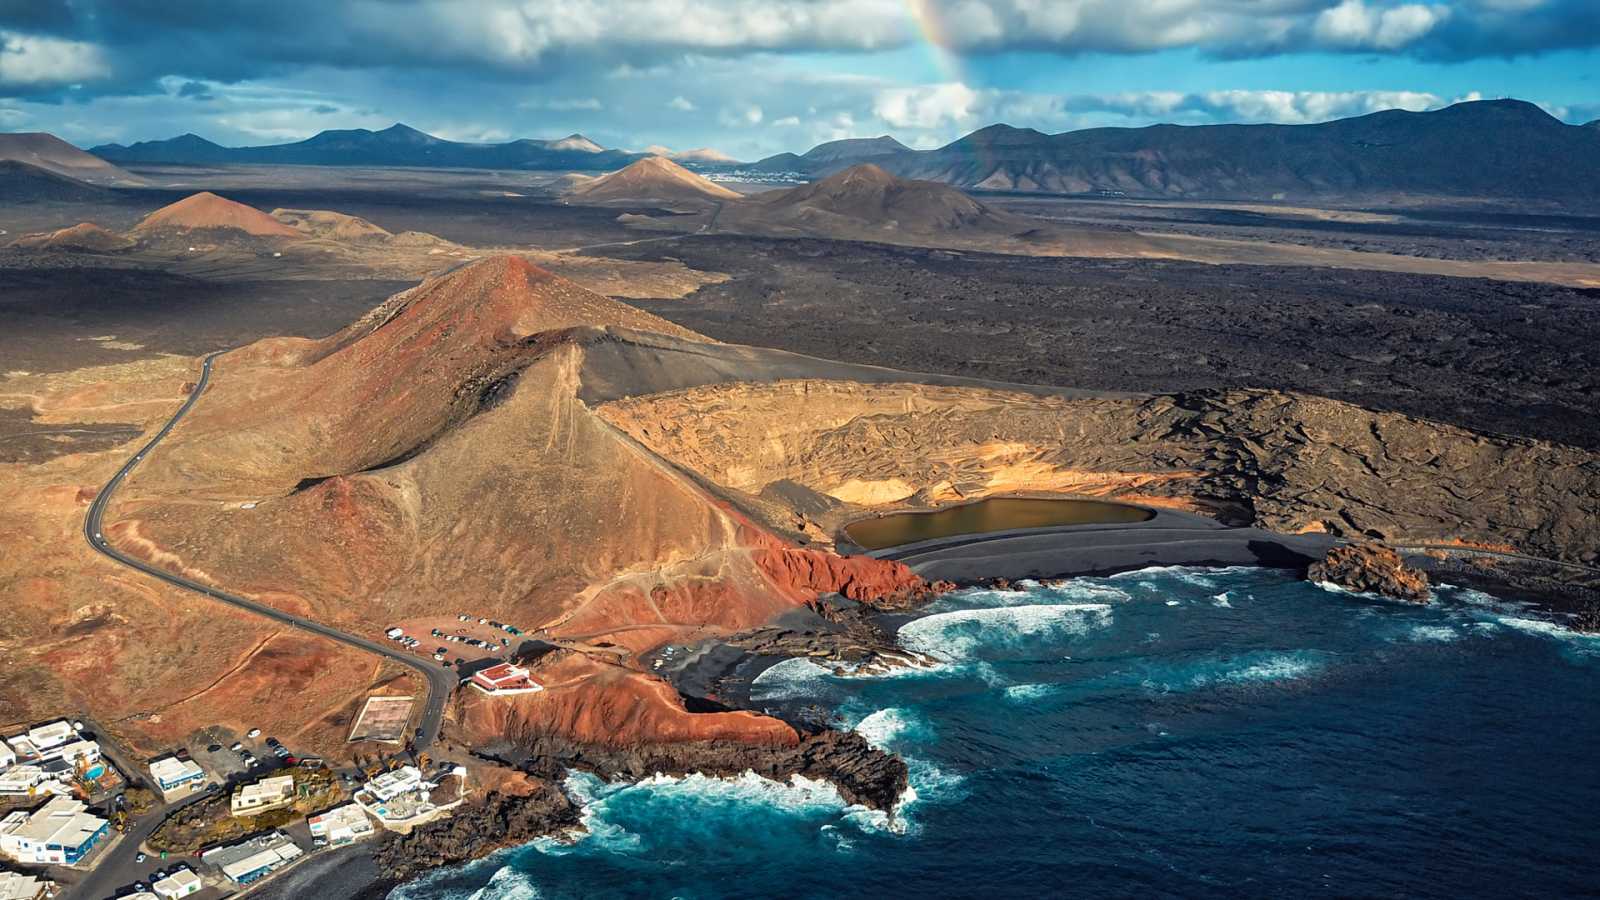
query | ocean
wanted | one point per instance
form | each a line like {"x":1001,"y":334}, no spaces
{"x":1170,"y":732}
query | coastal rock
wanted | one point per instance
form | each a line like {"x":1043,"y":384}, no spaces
{"x":1370,"y":568}
{"x":476,"y":830}
{"x":861,"y":773}
{"x":1587,"y":620}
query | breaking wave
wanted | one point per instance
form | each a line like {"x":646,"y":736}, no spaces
{"x":1005,"y":631}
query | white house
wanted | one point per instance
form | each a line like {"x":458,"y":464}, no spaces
{"x":8,"y":756}
{"x":23,"y":780}
{"x":390,"y":785}
{"x":52,"y":734}
{"x":268,"y":793}
{"x":17,"y":886}
{"x":506,"y":678}
{"x":341,"y":825}
{"x":176,"y":776}
{"x":181,"y":883}
{"x":88,"y":751}
{"x":22,"y":748}
{"x":58,"y":833}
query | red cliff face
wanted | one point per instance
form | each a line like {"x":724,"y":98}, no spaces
{"x":878,"y":582}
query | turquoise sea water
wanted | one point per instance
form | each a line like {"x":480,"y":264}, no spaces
{"x":1164,"y":733}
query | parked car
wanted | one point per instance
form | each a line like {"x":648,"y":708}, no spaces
{"x":253,"y":733}
{"x":139,"y":858}
{"x":236,"y":747}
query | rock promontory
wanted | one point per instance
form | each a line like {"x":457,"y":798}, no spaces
{"x":1370,"y":568}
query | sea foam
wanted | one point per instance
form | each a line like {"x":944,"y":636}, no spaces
{"x":967,"y":634}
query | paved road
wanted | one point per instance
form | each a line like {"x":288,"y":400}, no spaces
{"x":441,"y":681}
{"x":117,"y":869}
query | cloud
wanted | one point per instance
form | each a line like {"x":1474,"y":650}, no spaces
{"x":564,"y":104}
{"x":680,"y":103}
{"x":28,"y":61}
{"x":927,"y":106}
{"x":1353,"y":24}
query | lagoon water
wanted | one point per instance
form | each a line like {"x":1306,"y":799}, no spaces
{"x":988,"y":516}
{"x":1170,"y":732}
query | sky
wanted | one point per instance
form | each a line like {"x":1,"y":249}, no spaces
{"x":755,"y":77}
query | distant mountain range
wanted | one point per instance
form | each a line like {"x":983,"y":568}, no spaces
{"x":832,"y":156}
{"x":1490,"y":148}
{"x":397,"y":145}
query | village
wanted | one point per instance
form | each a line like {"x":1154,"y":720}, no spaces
{"x":82,"y":817}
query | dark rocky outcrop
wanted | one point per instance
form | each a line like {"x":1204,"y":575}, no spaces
{"x":862,"y":773}
{"x":1370,"y":568}
{"x":1587,"y":619}
{"x":476,"y":830}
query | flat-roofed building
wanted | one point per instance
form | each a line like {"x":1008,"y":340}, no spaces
{"x":8,"y":756}
{"x":180,"y":883}
{"x":22,"y":748}
{"x":341,"y":825}
{"x":73,"y":751}
{"x":59,"y":833}
{"x":52,"y":734}
{"x":20,"y":781}
{"x":17,"y":886}
{"x":176,"y":777}
{"x":506,"y":678}
{"x":252,"y":860}
{"x":389,"y":785}
{"x":267,"y":794}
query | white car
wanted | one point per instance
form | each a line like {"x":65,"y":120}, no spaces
{"x":253,"y":733}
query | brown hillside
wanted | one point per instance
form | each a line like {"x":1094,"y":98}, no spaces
{"x":48,"y":152}
{"x":206,"y":210}
{"x":870,"y":196}
{"x":437,"y":456}
{"x":82,"y":237}
{"x":653,"y":178}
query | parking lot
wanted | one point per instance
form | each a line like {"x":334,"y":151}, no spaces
{"x":455,"y":636}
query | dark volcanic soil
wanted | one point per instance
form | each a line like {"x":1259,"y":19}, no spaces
{"x":48,"y":316}
{"x":1498,"y":356}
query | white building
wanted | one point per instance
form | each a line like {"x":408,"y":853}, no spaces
{"x":246,"y":862}
{"x":20,"y":781}
{"x":266,"y":794}
{"x":181,"y":883}
{"x":87,"y":751}
{"x":22,"y":748}
{"x":506,"y":678}
{"x":52,"y":734}
{"x":176,"y":776}
{"x":58,"y":833}
{"x":341,"y":825}
{"x":17,"y":886}
{"x":8,"y":756}
{"x":390,"y":785}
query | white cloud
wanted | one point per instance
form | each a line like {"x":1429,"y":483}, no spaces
{"x":927,"y":106}
{"x":681,"y":104}
{"x":31,"y":60}
{"x":1352,"y":24}
{"x":564,"y":104}
{"x":744,"y":115}
{"x":787,"y":121}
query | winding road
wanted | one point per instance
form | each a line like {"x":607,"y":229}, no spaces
{"x":441,"y":681}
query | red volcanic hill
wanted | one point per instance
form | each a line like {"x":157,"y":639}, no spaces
{"x":653,"y":178}
{"x":439,"y":455}
{"x":84,"y":236}
{"x":206,"y":210}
